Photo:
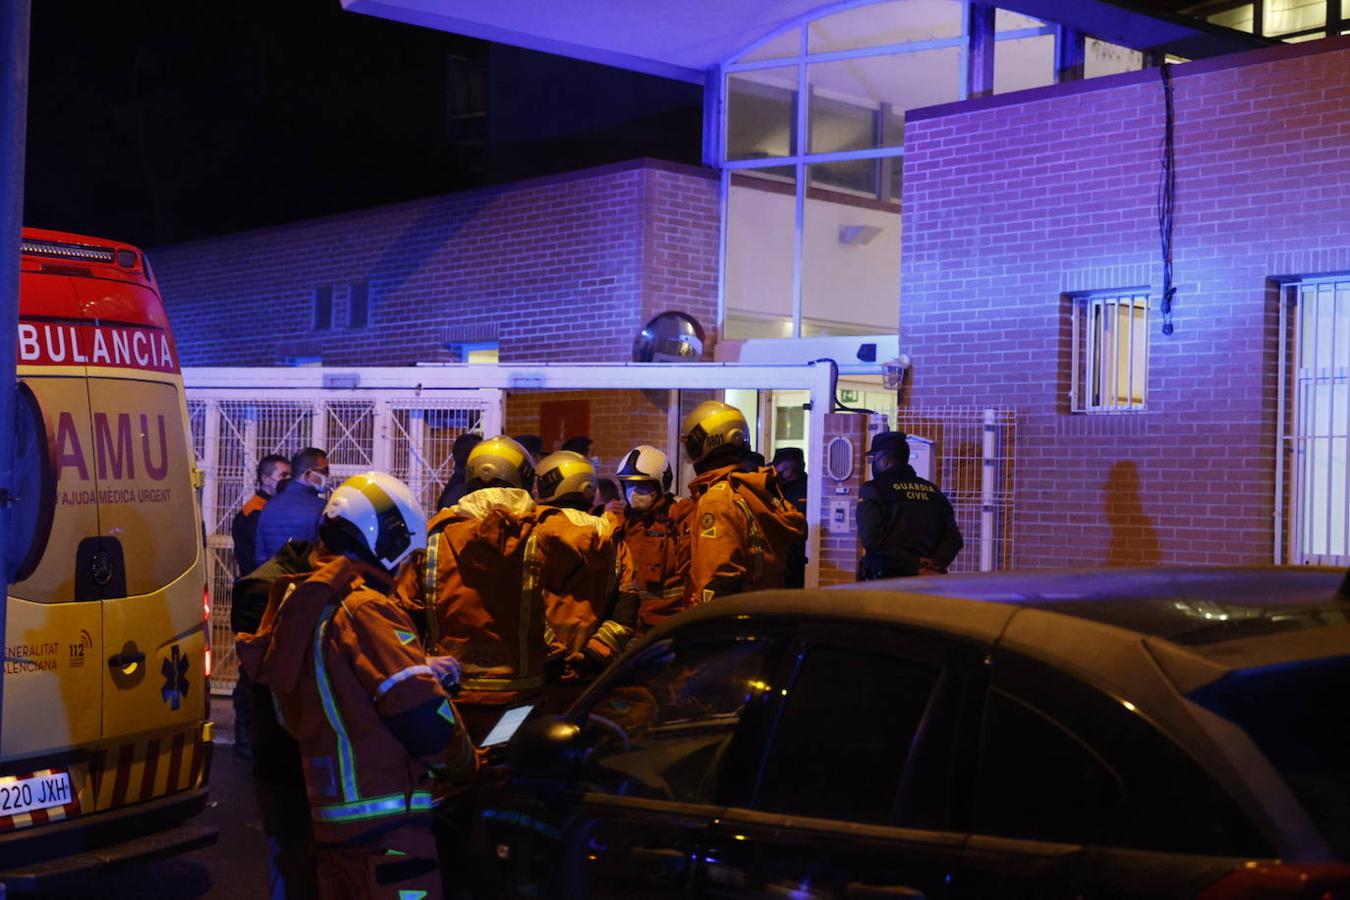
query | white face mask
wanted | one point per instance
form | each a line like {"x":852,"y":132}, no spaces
{"x":640,"y":499}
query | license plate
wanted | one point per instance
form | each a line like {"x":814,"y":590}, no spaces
{"x":21,"y":795}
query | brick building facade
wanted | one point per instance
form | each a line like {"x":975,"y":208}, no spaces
{"x":556,"y":269}
{"x":1014,"y":206}
{"x":563,"y":268}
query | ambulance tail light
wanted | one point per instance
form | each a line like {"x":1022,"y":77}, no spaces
{"x":1282,"y":881}
{"x":206,"y":628}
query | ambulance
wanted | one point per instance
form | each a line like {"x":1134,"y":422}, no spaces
{"x":105,"y":745}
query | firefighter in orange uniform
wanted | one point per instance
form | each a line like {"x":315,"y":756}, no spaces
{"x":354,"y":685}
{"x":742,"y":524}
{"x":483,"y":583}
{"x":597,"y":618}
{"x":652,"y":530}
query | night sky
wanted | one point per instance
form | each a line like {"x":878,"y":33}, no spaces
{"x":155,"y":121}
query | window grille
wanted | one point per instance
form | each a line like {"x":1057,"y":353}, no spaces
{"x":1110,"y":352}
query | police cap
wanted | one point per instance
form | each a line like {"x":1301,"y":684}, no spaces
{"x":894,"y":443}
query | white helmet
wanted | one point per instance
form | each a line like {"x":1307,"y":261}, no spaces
{"x":645,"y":463}
{"x":373,"y":516}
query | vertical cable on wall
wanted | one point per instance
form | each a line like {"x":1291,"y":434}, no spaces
{"x":1167,"y":187}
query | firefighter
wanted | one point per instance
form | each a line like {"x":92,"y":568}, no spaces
{"x":482,"y":584}
{"x":353,"y":684}
{"x":652,"y":528}
{"x":596,"y":620}
{"x":742,"y":524}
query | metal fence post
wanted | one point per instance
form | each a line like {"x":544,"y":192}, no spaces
{"x":988,"y":478}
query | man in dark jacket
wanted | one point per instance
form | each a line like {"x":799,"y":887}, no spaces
{"x":278,"y":775}
{"x":293,"y":514}
{"x":906,"y":525}
{"x":791,"y":465}
{"x":272,"y":470}
{"x":457,"y":486}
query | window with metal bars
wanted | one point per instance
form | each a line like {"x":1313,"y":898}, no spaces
{"x":1312,"y":474}
{"x":1109,"y":334}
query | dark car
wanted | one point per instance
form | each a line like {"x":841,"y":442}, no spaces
{"x":1149,"y":733}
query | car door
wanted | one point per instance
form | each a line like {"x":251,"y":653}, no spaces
{"x":1078,"y":795}
{"x":658,"y":734}
{"x":854,"y":796}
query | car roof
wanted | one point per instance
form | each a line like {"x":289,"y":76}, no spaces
{"x":1186,"y":606}
{"x":1119,"y":627}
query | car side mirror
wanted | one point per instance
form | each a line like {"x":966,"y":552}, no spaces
{"x":547,"y":749}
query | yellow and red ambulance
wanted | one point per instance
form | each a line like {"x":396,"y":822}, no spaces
{"x":105,"y":745}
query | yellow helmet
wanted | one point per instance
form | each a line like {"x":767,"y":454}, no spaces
{"x":712,"y":426}
{"x":565,"y":473}
{"x":499,"y":461}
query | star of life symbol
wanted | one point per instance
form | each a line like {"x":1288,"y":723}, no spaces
{"x":174,"y":671}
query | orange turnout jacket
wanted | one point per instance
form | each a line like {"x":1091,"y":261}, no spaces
{"x":740,"y":531}
{"x":350,"y":678}
{"x":597,"y":615}
{"x":658,"y":541}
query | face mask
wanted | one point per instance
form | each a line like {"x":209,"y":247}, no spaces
{"x":321,"y":486}
{"x":595,"y":462}
{"x":640,"y":500}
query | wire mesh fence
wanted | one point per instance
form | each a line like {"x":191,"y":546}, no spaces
{"x":973,"y":457}
{"x":409,"y":437}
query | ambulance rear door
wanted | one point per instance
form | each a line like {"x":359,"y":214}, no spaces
{"x":153,"y":630}
{"x":53,"y":641}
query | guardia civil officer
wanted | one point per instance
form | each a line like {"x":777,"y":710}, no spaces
{"x":906,"y":525}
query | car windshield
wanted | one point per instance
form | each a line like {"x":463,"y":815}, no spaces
{"x":1295,"y":712}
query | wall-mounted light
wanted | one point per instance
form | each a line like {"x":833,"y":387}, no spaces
{"x":893,"y":371}
{"x":858,"y":235}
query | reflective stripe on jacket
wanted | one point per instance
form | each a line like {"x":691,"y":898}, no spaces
{"x":484,"y":575}
{"x":590,"y":574}
{"x":341,"y":657}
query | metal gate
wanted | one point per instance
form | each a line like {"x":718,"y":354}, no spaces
{"x":400,"y":431}
{"x":974,"y":451}
{"x":1314,"y":422}
{"x":404,"y":421}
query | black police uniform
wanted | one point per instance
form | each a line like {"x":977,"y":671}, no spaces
{"x":795,"y":574}
{"x":905,"y":525}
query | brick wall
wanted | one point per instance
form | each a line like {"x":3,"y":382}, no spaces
{"x":1012,"y":202}
{"x":560,"y":269}
{"x":839,"y":549}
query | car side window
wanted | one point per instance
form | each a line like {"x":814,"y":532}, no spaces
{"x":1162,"y":799}
{"x":845,"y":732}
{"x":1037,"y":781}
{"x":662,"y":728}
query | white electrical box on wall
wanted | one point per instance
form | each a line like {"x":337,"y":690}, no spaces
{"x":838,"y":521}
{"x":921,"y":456}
